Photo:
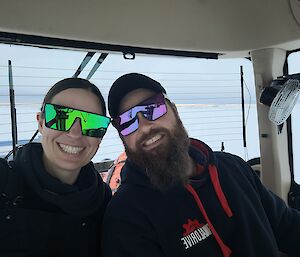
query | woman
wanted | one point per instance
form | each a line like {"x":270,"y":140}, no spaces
{"x":52,"y":198}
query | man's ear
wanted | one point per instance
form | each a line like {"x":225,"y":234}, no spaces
{"x":40,"y":121}
{"x":174,"y":107}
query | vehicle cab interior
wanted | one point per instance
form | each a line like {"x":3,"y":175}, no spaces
{"x":264,"y":32}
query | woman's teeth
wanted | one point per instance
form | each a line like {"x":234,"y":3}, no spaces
{"x":70,"y":149}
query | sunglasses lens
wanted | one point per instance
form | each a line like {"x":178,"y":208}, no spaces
{"x":131,"y":128}
{"x":62,"y":118}
{"x":152,"y":109}
{"x":50,"y":115}
{"x":57,"y":117}
{"x":93,"y":125}
{"x":159,"y":111}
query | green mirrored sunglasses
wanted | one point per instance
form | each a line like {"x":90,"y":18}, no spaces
{"x":62,"y":118}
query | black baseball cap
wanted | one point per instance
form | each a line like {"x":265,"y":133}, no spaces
{"x":127,"y":83}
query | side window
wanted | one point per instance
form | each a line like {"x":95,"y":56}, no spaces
{"x":294,"y":67}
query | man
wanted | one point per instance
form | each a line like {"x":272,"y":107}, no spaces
{"x":177,"y":197}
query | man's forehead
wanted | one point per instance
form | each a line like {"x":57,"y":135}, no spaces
{"x":135,"y":97}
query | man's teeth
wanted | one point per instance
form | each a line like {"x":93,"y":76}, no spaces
{"x":70,"y":149}
{"x":152,"y":140}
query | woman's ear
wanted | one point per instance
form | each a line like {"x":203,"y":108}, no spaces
{"x":40,"y":121}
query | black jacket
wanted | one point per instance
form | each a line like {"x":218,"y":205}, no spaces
{"x":224,"y":211}
{"x":42,"y":217}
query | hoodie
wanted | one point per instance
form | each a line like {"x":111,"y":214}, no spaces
{"x":223,"y":211}
{"x":41,"y":216}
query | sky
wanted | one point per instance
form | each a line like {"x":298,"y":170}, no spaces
{"x":48,"y":66}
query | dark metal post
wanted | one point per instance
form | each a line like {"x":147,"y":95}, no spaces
{"x":84,"y":62}
{"x":12,"y":110}
{"x":243,"y":105}
{"x":96,"y":65}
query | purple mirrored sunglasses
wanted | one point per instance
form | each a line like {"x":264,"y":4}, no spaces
{"x":151,"y":108}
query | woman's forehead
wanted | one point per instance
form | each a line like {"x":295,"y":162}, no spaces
{"x":78,"y":98}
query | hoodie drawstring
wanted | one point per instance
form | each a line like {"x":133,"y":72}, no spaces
{"x":216,"y":184}
{"x":224,"y":248}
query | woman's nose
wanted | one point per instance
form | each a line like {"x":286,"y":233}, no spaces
{"x":75,"y":130}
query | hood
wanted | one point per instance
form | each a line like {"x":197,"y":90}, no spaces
{"x":81,"y":199}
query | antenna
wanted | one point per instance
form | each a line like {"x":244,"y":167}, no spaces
{"x":96,"y":65}
{"x":84,"y":62}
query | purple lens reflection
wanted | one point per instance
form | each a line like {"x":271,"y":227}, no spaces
{"x":131,"y":128}
{"x":159,"y":111}
{"x":152,"y":109}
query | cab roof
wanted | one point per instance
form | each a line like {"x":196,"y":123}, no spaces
{"x":229,"y":28}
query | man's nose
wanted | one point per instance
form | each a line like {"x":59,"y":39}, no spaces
{"x":144,"y":124}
